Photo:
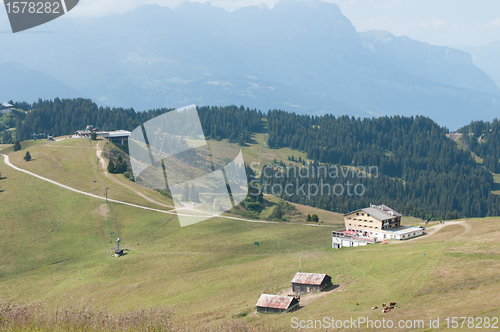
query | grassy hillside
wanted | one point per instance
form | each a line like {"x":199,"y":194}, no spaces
{"x":73,"y":162}
{"x":55,"y":247}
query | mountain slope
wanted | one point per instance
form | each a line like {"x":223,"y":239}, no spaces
{"x":486,"y":58}
{"x":416,"y":161}
{"x":21,"y":83}
{"x":56,"y":250}
{"x":434,"y":63}
{"x":300,"y":56}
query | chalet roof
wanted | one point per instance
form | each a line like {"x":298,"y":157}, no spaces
{"x":308,"y":278}
{"x":380,"y":212}
{"x":274,"y":301}
{"x":401,"y":230}
{"x":83,"y":132}
{"x":388,"y":209}
{"x":116,"y":133}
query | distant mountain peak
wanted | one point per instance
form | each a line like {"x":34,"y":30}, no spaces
{"x":304,"y":56}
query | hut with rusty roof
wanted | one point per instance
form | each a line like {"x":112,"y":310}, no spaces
{"x":310,"y":282}
{"x":276,"y":303}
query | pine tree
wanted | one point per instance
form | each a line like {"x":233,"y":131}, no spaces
{"x":17,"y":145}
{"x":93,"y":136}
{"x":111,"y":167}
{"x":314,"y":218}
{"x":309,"y":219}
{"x":120,"y":165}
{"x":241,"y":141}
{"x":6,"y":138}
{"x":277,"y":212}
{"x":27,"y":156}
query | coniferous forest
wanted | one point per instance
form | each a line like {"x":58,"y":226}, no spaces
{"x":483,"y":138}
{"x":421,"y":172}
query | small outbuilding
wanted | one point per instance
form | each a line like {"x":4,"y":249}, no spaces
{"x":117,"y":136}
{"x":276,"y":303}
{"x":310,"y":282}
{"x":5,"y":108}
{"x":83,"y":133}
{"x":118,"y":252}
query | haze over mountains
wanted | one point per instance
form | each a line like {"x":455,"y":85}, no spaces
{"x":22,"y":84}
{"x":304,"y":57}
{"x":487,"y":58}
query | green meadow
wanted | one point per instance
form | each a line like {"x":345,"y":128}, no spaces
{"x":55,"y":246}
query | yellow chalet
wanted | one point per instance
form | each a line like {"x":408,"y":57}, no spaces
{"x":379,"y":222}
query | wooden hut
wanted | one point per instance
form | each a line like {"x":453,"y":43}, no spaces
{"x":310,"y":282}
{"x":276,"y":303}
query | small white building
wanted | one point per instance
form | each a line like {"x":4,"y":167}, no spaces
{"x":117,"y":136}
{"x":377,"y":222}
{"x":398,"y":233}
{"x":5,"y":108}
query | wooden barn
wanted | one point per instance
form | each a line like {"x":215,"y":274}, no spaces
{"x":276,"y":303}
{"x":310,"y":282}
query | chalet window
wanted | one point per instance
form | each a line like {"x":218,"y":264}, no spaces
{"x":366,"y":221}
{"x":376,"y":227}
{"x":357,"y":213}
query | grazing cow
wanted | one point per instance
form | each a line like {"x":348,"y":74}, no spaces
{"x":392,"y":304}
{"x":383,"y":305}
{"x":374,"y":308}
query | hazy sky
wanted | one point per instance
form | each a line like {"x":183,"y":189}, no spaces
{"x":440,"y":22}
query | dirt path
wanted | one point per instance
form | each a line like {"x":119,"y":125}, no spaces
{"x":8,"y":163}
{"x":102,"y":162}
{"x":306,"y":299}
{"x":436,"y":228}
{"x":171,"y":212}
{"x":467,"y":227}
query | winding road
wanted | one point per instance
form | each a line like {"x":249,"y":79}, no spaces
{"x":8,"y":163}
